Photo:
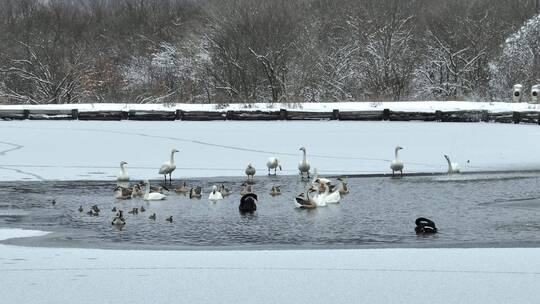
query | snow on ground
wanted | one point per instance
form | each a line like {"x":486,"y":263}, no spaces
{"x":407,"y":106}
{"x":81,"y":150}
{"x":53,"y":275}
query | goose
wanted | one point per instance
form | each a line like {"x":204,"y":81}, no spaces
{"x":246,"y":188}
{"x":169,"y":219}
{"x":250,"y":171}
{"x":397,"y":164}
{"x":342,"y":188}
{"x":303,"y":200}
{"x":168,"y":167}
{"x":80,"y":208}
{"x":273,"y":163}
{"x":182,"y":188}
{"x":248,"y":203}
{"x":152,"y":217}
{"x":119,"y":219}
{"x":154,"y":196}
{"x":122,"y":192}
{"x":304,"y":166}
{"x":224,"y":191}
{"x":276,"y":190}
{"x":452,"y":167}
{"x":159,"y":189}
{"x":215,"y":195}
{"x":122,"y":175}
{"x":195,"y":192}
{"x":136,"y":191}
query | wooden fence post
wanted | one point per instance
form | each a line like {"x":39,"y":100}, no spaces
{"x":26,"y":114}
{"x":386,"y":114}
{"x":335,"y":114}
{"x":283,"y":114}
{"x":179,"y":115}
{"x":516,"y":117}
{"x":75,"y":114}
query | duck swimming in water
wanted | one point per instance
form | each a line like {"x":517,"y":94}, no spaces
{"x":224,"y":191}
{"x":195,"y":192}
{"x":119,"y":219}
{"x":276,"y":190}
{"x":152,"y":217}
{"x":424,"y":226}
{"x":303,"y":200}
{"x":169,"y":219}
{"x":183,"y":189}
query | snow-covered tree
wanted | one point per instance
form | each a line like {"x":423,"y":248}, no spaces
{"x":519,"y":61}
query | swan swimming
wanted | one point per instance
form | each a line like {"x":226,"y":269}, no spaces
{"x":215,"y":195}
{"x":250,"y":171}
{"x":152,"y":196}
{"x":168,"y":167}
{"x":452,"y":167}
{"x":397,"y":164}
{"x":304,"y":166}
{"x":273,"y":163}
{"x":122,"y":176}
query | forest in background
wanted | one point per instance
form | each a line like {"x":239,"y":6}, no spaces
{"x":215,"y":51}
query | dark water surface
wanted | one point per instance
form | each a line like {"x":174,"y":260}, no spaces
{"x":474,"y":210}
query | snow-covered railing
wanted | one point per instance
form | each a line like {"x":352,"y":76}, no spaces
{"x":281,"y":114}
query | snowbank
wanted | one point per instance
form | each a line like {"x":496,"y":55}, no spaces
{"x":406,"y":106}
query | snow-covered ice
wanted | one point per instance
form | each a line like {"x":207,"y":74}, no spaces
{"x":52,"y":275}
{"x":81,"y":150}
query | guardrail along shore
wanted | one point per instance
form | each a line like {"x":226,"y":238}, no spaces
{"x":282,"y":114}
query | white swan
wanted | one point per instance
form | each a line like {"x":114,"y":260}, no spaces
{"x":452,"y":167}
{"x":122,"y":176}
{"x":215,"y":195}
{"x":273,"y":163}
{"x":168,"y":167}
{"x":250,"y":171}
{"x":397,"y":164}
{"x":154,"y":196}
{"x":304,"y":166}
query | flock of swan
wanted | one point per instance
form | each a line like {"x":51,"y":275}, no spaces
{"x":318,"y":193}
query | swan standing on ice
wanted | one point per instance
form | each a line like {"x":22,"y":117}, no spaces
{"x":304,"y":166}
{"x":397,"y":164}
{"x":273,"y":163}
{"x":250,"y":171}
{"x":122,"y":176}
{"x":452,"y":167}
{"x":215,"y":195}
{"x":168,"y":167}
{"x":154,"y":196}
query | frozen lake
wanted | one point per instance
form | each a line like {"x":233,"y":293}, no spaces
{"x":79,"y":150}
{"x":472,"y":210}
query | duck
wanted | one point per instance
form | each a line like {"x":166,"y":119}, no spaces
{"x":113,"y":209}
{"x":122,"y":176}
{"x":452,"y":167}
{"x":142,"y":209}
{"x":195,"y":192}
{"x":95,"y":208}
{"x":224,"y":191}
{"x":397,"y":164}
{"x":276,"y":190}
{"x":248,"y":203}
{"x":154,"y":196}
{"x":424,"y":226}
{"x":246,"y":188}
{"x":273,"y":163}
{"x":250,"y":171}
{"x":215,"y":195}
{"x":182,"y":188}
{"x":152,"y":217}
{"x":119,"y":219}
{"x":169,"y":219}
{"x":92,"y":212}
{"x":303,"y":200}
{"x":168,"y":167}
{"x":53,"y":202}
{"x":304,"y":166}
{"x":81,"y":208}
{"x":134,"y":211}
